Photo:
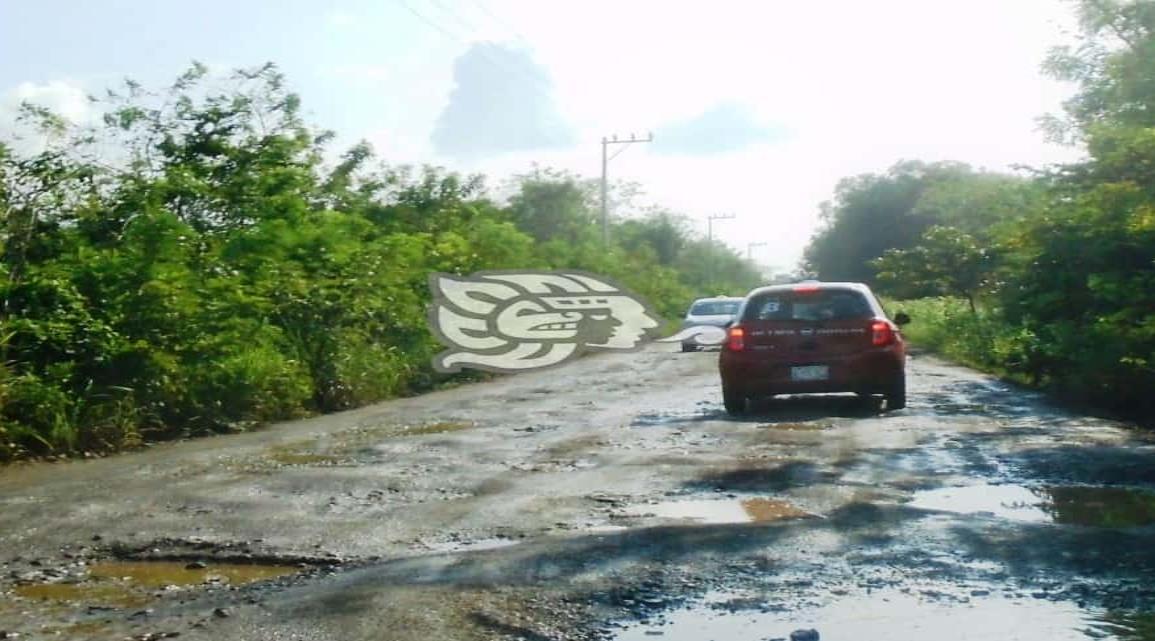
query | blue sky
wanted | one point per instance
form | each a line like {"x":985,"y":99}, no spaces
{"x":758,"y":107}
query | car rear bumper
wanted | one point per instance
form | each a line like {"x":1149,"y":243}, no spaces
{"x":869,"y":372}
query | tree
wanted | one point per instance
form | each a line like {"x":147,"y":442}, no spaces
{"x":871,"y":214}
{"x":551,"y":205}
{"x":1113,"y":65}
{"x":945,"y":262}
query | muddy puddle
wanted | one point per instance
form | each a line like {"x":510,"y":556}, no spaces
{"x":90,"y":594}
{"x":1112,"y":507}
{"x":721,"y":511}
{"x":131,"y":584}
{"x":894,"y":616}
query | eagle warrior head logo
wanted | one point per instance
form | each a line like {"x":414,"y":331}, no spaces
{"x":516,"y":321}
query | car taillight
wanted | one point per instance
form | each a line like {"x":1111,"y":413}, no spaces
{"x":736,"y":339}
{"x":881,"y":333}
{"x":806,"y":289}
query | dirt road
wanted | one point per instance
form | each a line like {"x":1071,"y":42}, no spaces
{"x":612,"y":499}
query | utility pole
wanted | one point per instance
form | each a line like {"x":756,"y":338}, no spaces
{"x":710,"y":244}
{"x":750,"y":249}
{"x":606,"y":142}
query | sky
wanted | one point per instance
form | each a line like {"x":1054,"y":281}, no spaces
{"x":757,"y":108}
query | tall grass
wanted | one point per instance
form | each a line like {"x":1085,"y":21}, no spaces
{"x":980,"y":339}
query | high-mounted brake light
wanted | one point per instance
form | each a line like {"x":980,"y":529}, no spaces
{"x":805,"y":289}
{"x":736,"y":339}
{"x":881,"y":333}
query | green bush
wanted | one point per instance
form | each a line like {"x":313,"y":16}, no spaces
{"x":981,"y":339}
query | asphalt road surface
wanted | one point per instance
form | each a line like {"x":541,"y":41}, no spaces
{"x":608,"y":499}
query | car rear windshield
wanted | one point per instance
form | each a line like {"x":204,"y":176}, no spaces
{"x":831,"y":304}
{"x":715,"y":308}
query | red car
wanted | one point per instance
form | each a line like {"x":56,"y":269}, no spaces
{"x":813,"y":338}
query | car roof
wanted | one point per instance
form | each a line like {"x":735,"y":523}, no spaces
{"x":833,"y":285}
{"x":718,"y":299}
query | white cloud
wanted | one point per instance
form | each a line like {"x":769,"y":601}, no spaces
{"x":61,"y":97}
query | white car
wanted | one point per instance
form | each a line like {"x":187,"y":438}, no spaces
{"x":717,"y":312}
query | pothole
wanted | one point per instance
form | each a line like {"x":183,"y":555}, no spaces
{"x":159,"y":574}
{"x":1112,"y":507}
{"x":130,"y":584}
{"x":726,"y":511}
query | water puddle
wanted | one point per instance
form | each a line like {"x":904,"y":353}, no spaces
{"x":130,"y":584}
{"x":1013,"y":502}
{"x":797,"y":427}
{"x":1113,"y":507}
{"x":892,"y":615}
{"x":708,"y":511}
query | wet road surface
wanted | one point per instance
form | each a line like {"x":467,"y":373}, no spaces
{"x":608,"y":499}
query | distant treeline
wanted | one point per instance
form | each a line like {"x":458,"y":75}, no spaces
{"x":192,"y":264}
{"x":1047,"y":277}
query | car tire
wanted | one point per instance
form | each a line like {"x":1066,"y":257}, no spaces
{"x":686,"y":347}
{"x":734,"y":402}
{"x":896,"y":396}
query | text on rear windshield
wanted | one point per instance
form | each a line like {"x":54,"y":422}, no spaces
{"x":817,"y":306}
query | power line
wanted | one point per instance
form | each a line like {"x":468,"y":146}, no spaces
{"x":543,"y":86}
{"x":750,"y":249}
{"x":606,"y":142}
{"x":486,"y":11}
{"x":469,"y":26}
{"x":429,"y":22}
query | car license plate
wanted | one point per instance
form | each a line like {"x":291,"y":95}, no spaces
{"x":810,"y":373}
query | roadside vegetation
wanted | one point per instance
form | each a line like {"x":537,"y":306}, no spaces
{"x":1047,"y":277}
{"x":201,"y":261}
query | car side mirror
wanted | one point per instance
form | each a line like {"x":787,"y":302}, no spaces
{"x":901,"y":319}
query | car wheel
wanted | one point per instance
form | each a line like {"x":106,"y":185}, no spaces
{"x":686,"y":347}
{"x":734,"y":402}
{"x":896,"y":396}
